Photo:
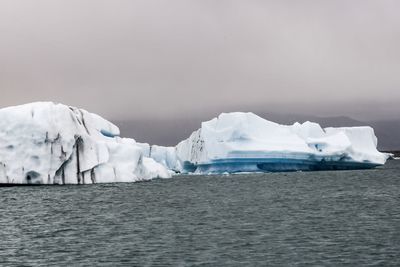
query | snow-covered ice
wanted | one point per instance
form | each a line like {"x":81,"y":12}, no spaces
{"x":245,"y":142}
{"x":47,"y":143}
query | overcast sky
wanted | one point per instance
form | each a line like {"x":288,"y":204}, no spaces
{"x":156,"y":59}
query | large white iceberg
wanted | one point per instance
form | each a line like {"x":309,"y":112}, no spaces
{"x":47,"y":143}
{"x":245,"y":142}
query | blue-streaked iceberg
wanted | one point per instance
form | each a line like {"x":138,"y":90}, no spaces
{"x":47,"y":143}
{"x":245,"y":142}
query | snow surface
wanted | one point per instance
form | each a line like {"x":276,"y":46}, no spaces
{"x":47,"y":143}
{"x":245,"y":142}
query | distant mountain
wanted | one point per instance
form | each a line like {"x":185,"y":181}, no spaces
{"x":388,"y":133}
{"x":171,"y":132}
{"x":160,"y":132}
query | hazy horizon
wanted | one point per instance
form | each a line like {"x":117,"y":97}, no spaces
{"x":167,"y":59}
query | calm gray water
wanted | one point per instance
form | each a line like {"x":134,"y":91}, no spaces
{"x":299,"y":219}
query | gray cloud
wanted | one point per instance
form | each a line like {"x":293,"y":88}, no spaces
{"x":159,"y":59}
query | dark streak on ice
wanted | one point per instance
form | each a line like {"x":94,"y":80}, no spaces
{"x":93,"y":176}
{"x":83,"y":121}
{"x":78,"y":168}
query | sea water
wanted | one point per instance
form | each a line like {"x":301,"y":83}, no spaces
{"x":325,"y":218}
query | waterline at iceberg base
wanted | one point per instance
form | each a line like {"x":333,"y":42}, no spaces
{"x":278,"y":165}
{"x":48,"y":143}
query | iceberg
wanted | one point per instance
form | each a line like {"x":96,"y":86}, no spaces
{"x":48,"y":143}
{"x":245,"y":142}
